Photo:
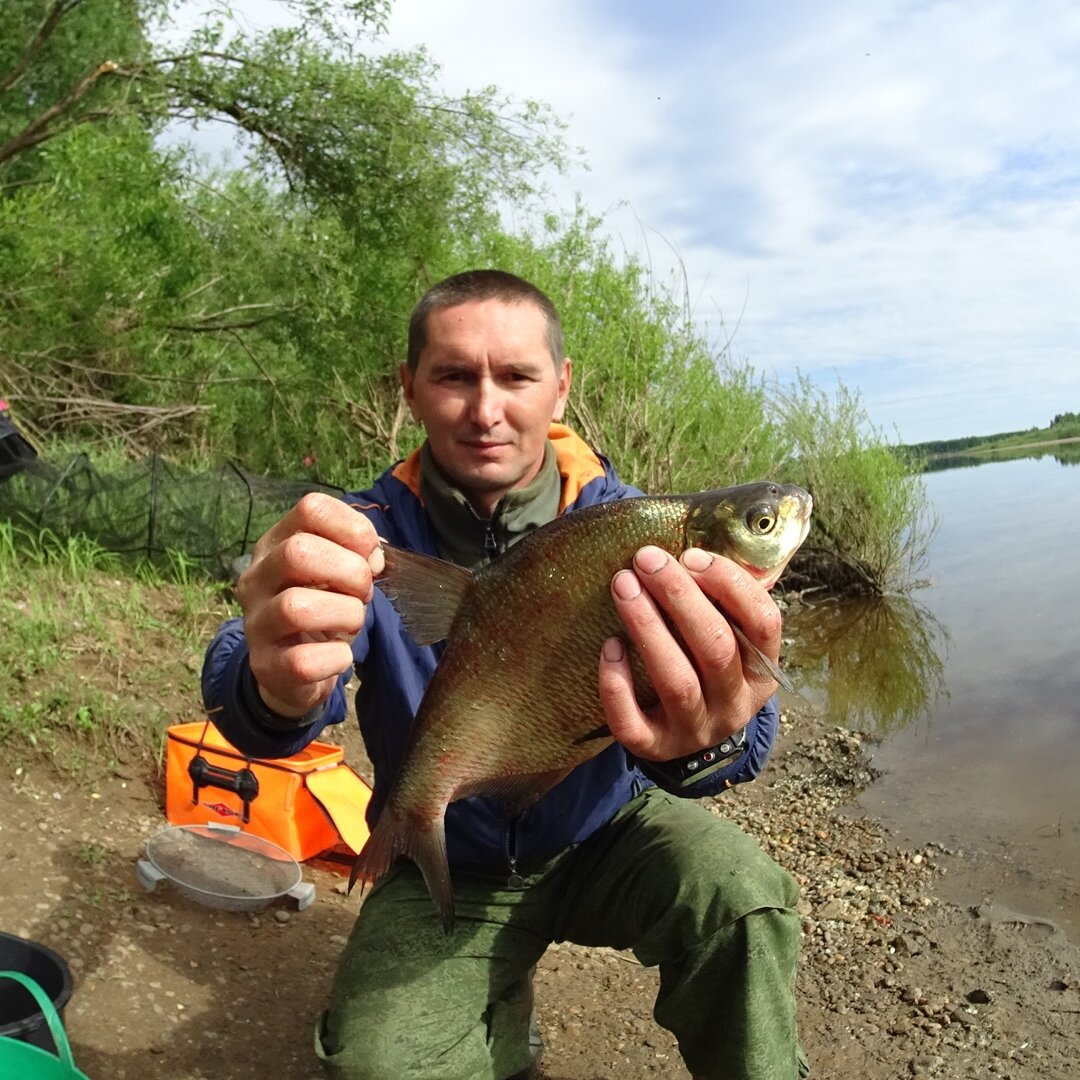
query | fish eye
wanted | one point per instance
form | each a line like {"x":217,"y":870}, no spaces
{"x":761,"y":520}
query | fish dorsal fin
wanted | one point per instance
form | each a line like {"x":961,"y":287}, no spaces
{"x":426,"y":592}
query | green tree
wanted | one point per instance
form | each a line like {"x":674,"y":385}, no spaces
{"x":234,"y":304}
{"x":59,"y":71}
{"x":258,"y":312}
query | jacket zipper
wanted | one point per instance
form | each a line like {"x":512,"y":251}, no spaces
{"x":491,"y":545}
{"x":510,"y":845}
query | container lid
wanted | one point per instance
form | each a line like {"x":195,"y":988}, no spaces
{"x":222,"y":863}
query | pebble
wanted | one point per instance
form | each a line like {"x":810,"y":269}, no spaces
{"x":924,"y":1064}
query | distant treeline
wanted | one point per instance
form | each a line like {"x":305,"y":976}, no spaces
{"x":1063,"y":426}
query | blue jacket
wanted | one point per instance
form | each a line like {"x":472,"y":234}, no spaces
{"x":394,"y":673}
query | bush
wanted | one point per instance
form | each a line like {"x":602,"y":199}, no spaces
{"x":873,"y":520}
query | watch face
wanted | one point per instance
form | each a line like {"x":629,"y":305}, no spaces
{"x":708,"y":761}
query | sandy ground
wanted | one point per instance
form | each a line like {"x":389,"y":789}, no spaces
{"x":894,"y":982}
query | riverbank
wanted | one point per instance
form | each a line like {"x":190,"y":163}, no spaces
{"x":894,"y":982}
{"x":1020,"y":449}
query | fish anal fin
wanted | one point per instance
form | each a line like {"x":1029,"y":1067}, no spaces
{"x":398,"y":834}
{"x":425,"y":591}
{"x":517,"y":792}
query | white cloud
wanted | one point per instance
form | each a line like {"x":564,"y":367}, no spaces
{"x":874,"y":185}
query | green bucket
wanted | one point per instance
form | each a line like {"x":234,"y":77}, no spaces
{"x":28,"y":1062}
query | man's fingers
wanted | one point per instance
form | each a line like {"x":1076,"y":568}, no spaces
{"x":310,"y":561}
{"x":290,"y":669}
{"x":306,"y":611}
{"x":674,"y":614}
{"x":624,"y":717}
{"x":701,"y":626}
{"x":328,"y":517}
{"x":304,"y":599}
{"x":684,"y":666}
{"x":742,"y":599}
{"x":315,"y":661}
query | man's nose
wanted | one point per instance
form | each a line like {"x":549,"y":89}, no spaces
{"x":485,"y":404}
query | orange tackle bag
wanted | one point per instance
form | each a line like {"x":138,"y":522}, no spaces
{"x":307,"y":803}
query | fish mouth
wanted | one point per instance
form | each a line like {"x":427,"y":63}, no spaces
{"x":768,"y":578}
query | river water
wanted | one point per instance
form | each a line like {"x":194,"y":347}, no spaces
{"x":972,"y":686}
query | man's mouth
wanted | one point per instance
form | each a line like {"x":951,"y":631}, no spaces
{"x":484,"y":446}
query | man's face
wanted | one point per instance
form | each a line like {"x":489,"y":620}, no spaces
{"x":486,"y":388}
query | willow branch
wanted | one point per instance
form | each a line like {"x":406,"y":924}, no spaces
{"x":37,"y":130}
{"x":59,"y":9}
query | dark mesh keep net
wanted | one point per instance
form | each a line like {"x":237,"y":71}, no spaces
{"x":151,"y":508}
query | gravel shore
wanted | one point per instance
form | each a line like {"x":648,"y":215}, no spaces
{"x":894,"y":982}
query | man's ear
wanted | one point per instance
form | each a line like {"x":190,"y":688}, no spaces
{"x":565,"y":378}
{"x":408,"y":388}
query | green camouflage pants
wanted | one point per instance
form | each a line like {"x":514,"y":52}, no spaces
{"x":684,"y":889}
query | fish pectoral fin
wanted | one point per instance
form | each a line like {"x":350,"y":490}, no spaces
{"x":396,"y":835}
{"x":425,"y":591}
{"x":758,"y":662}
{"x":516,"y":793}
{"x":602,"y":732}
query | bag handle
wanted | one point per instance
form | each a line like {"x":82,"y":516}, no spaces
{"x":48,"y":1010}
{"x":242,"y":782}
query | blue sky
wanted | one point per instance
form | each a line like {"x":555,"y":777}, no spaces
{"x":878,"y":191}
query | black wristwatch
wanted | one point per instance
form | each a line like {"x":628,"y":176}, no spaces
{"x":689,"y":770}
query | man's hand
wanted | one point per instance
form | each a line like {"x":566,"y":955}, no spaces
{"x":706,"y":689}
{"x":304,"y":598}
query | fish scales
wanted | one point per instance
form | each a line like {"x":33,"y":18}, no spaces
{"x":514,"y":700}
{"x":508,"y":658}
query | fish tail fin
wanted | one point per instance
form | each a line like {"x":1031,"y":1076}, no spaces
{"x":398,"y":834}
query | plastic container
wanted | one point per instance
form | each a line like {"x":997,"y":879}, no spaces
{"x":21,"y":1059}
{"x":221,"y":867}
{"x":18,"y":1019}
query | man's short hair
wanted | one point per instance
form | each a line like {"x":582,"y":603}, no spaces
{"x":475,"y":285}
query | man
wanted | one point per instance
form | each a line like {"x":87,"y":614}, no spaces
{"x":608,"y":856}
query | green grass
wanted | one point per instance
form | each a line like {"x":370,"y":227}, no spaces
{"x":96,"y":659}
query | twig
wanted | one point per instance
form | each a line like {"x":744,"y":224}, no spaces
{"x":37,"y":130}
{"x":53,"y":16}
{"x":265,"y":374}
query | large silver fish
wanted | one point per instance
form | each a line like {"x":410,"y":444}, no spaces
{"x":513,"y":705}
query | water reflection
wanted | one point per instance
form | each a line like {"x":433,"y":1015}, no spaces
{"x":872,"y":663}
{"x":1065,"y":453}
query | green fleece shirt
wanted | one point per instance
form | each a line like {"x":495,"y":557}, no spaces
{"x":464,"y":536}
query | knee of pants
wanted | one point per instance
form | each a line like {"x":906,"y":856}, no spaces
{"x":356,"y":1045}
{"x":710,"y":881}
{"x":355,"y":1050}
